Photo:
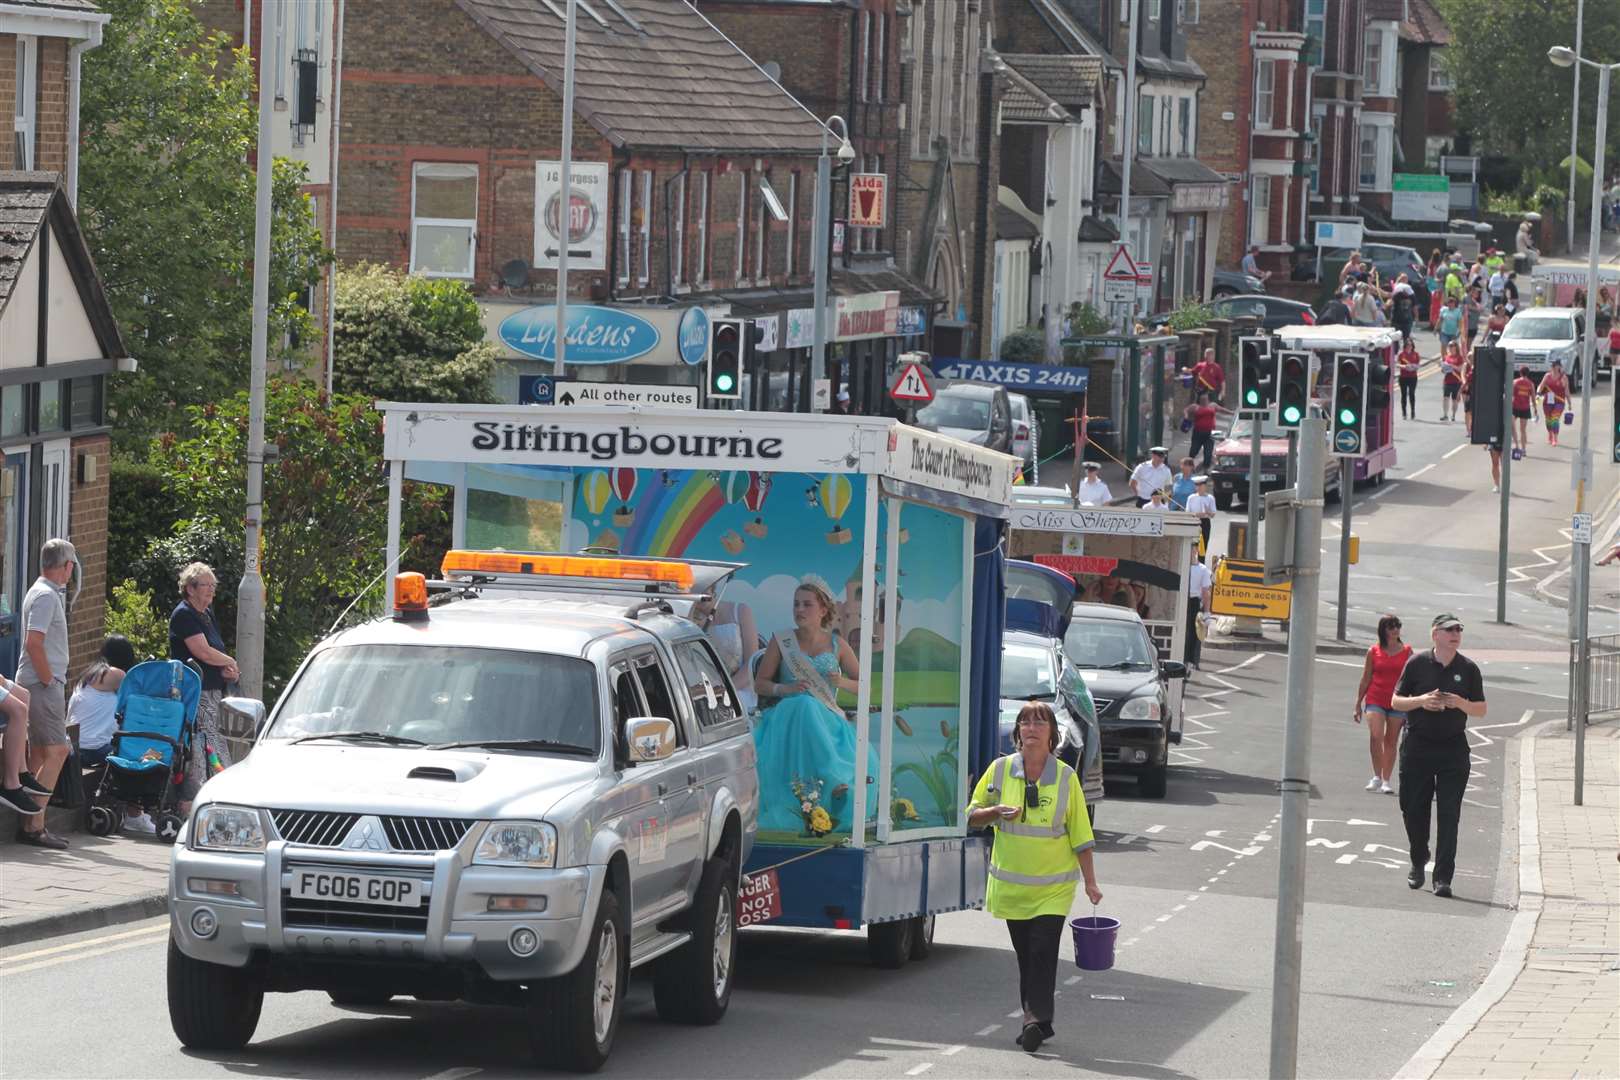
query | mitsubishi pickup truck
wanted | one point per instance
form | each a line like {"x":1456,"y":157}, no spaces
{"x":512,"y":794}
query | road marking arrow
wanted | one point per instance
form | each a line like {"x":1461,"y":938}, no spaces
{"x":1251,"y":850}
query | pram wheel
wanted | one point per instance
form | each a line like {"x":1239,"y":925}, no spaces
{"x":168,"y":827}
{"x":103,"y":822}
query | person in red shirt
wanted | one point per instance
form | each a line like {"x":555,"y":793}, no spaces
{"x":1524,"y":406}
{"x":1406,"y":368}
{"x":1209,"y":375}
{"x":1374,"y":697}
{"x":1451,"y":364}
{"x":1203,"y":414}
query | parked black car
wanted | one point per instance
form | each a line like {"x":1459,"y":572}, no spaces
{"x":1235,"y":283}
{"x":1129,"y":687}
{"x":1274,"y":312}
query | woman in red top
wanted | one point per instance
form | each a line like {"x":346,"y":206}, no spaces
{"x":1524,"y":403}
{"x":1406,"y":365}
{"x":1385,"y":662}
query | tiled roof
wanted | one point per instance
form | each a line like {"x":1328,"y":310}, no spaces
{"x":1175,"y":69}
{"x":1069,"y":80}
{"x":77,"y":7}
{"x":1180,"y":170}
{"x":27,"y":201}
{"x":1011,"y":225}
{"x":1069,"y":29}
{"x":1425,"y":24}
{"x":655,"y":74}
{"x":1143,"y":181}
{"x":1027,"y":102}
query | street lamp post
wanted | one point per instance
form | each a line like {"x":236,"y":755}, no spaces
{"x":1575,"y":121}
{"x":1581,"y":549}
{"x":821,"y":248}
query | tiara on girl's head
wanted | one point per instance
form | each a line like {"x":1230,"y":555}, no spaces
{"x":816,"y":581}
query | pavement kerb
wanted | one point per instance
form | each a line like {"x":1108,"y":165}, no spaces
{"x":22,"y":931}
{"x":1516,"y":946}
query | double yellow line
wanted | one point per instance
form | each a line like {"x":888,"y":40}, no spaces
{"x":86,"y":949}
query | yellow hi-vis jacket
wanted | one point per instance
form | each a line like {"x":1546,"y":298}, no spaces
{"x":1034,"y":864}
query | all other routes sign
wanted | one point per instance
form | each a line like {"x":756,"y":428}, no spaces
{"x":913,"y":385}
{"x":576,"y":393}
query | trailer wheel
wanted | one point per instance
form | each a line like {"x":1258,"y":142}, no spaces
{"x":890,"y":943}
{"x":922,"y":937}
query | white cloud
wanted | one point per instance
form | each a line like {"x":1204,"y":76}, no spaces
{"x":943,"y":617}
{"x":771,"y":601}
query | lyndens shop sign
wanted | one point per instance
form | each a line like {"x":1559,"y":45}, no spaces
{"x":598,"y":335}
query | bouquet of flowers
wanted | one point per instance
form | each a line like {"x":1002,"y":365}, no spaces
{"x":817,"y":822}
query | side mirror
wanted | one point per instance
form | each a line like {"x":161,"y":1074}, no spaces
{"x":249,"y":709}
{"x":650,"y":738}
{"x":1172,"y":669}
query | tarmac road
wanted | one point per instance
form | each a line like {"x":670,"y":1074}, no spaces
{"x":1191,"y":877}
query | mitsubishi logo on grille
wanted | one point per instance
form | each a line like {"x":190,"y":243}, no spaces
{"x":367,"y":835}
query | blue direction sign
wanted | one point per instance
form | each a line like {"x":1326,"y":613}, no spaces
{"x":1037,"y":378}
{"x":537,"y":389}
{"x":1347,"y":441}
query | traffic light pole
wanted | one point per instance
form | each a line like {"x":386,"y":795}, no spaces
{"x":1347,"y":483}
{"x":1250,"y":546}
{"x":1295,"y":785}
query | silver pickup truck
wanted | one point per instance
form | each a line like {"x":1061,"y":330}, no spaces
{"x":514,"y":794}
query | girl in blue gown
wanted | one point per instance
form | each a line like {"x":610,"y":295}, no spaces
{"x":805,"y":735}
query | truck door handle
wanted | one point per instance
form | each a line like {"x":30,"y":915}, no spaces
{"x":663,"y":789}
{"x":691,"y":779}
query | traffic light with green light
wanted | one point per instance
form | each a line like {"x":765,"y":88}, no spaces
{"x":1293,"y":388}
{"x":1257,"y":377}
{"x":724,"y":368}
{"x":1349,"y":403}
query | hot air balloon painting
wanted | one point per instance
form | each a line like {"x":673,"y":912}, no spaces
{"x":624,"y":488}
{"x":834,"y":491}
{"x":733,"y":485}
{"x":607,"y":541}
{"x":759,"y":486}
{"x":595,"y":489}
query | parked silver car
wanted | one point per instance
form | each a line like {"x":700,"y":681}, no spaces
{"x":514,"y":796}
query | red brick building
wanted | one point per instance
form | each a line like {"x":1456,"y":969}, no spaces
{"x":1256,"y":109}
{"x":692,"y":185}
{"x":1335,"y":50}
{"x":58,"y":340}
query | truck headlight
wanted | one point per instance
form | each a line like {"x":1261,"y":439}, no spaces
{"x":517,"y":843}
{"x":222,"y":827}
{"x":1140,"y":708}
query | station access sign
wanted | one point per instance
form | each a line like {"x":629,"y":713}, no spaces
{"x":1240,"y":589}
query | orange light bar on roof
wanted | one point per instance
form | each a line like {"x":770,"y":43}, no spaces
{"x":656,"y":571}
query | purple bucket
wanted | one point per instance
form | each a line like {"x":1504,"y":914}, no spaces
{"x":1186,"y":378}
{"x":1094,"y":941}
{"x":1186,"y":425}
{"x":1569,"y":417}
{"x":1518,"y":455}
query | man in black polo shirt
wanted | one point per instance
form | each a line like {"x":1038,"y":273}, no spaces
{"x":1439,"y":690}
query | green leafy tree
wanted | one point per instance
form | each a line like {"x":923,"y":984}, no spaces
{"x":166,"y":199}
{"x":132,"y":612}
{"x":403,"y":337}
{"x":1024,"y":346}
{"x":1509,"y":96}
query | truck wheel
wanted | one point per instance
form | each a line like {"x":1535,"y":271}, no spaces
{"x":922,"y":937}
{"x":1223,"y":503}
{"x":889,"y":943}
{"x":575,"y":1016}
{"x":692,"y":985}
{"x":212,"y":1007}
{"x":1155,"y":781}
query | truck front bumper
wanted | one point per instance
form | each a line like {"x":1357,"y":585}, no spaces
{"x":250,"y":911}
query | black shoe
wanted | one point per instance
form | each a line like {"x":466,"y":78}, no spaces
{"x":15,"y":798}
{"x":1047,"y":1031}
{"x":1442,"y":888}
{"x":30,"y":783}
{"x":1031,"y":1039}
{"x":43,"y":838}
{"x":1414,"y":880}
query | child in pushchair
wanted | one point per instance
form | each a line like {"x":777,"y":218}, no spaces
{"x":146,"y":761}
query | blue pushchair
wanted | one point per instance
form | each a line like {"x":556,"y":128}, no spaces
{"x":146,"y":760}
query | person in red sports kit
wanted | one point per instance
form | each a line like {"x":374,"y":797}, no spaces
{"x":1524,"y":402}
{"x":1209,"y":376}
{"x":1203,"y":414}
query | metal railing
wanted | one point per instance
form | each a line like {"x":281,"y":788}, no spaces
{"x":1603,"y":678}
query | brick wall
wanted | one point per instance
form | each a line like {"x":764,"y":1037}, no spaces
{"x":87,"y":530}
{"x":8,"y":100}
{"x":50,"y":106}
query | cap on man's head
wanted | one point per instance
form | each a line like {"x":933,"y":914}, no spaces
{"x":1092,"y":466}
{"x":1161,"y":451}
{"x":1349,"y":290}
{"x":843,"y":395}
{"x":1201,"y":480}
{"x":1447,"y":621}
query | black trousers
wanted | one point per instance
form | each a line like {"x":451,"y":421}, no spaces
{"x":1433,"y":772}
{"x":1204,"y":440}
{"x":1204,"y":526}
{"x":1036,"y":942}
{"x":1193,"y":648}
{"x":1408,"y":396}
